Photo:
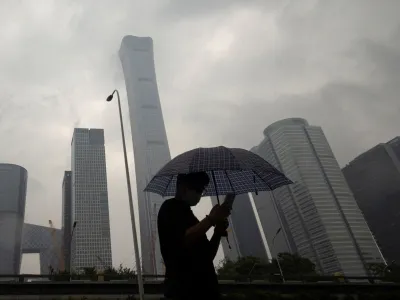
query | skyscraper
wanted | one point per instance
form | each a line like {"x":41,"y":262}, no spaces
{"x":318,"y":214}
{"x":66,"y":224}
{"x":244,"y":235}
{"x":374,"y":178}
{"x":91,"y":242}
{"x":13,"y":181}
{"x":149,"y":139}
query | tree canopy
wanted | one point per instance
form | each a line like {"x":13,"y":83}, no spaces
{"x":254,"y":268}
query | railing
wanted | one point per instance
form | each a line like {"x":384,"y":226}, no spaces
{"x":273,"y":278}
{"x":156,"y":288}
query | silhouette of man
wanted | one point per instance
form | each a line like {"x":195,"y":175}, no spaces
{"x":187,"y":253}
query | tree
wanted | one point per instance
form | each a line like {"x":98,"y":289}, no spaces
{"x":120,"y":273}
{"x":90,"y":271}
{"x":390,"y":272}
{"x":245,"y":268}
{"x":294,"y":265}
{"x":251,"y":267}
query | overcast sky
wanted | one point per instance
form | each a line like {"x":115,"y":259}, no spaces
{"x":225,"y":70}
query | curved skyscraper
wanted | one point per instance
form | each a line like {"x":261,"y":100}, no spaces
{"x":13,"y":181}
{"x":149,"y":139}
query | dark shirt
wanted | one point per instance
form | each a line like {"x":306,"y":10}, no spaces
{"x":190,"y":272}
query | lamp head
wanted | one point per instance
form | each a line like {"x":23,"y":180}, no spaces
{"x":109,"y":98}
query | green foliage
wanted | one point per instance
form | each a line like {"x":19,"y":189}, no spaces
{"x":89,"y":271}
{"x":254,"y":268}
{"x":294,"y":265}
{"x":120,"y":273}
{"x":390,"y":272}
{"x":244,"y":268}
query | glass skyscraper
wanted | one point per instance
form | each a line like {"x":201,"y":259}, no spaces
{"x":13,"y":182}
{"x":374,"y":178}
{"x":91,"y":242}
{"x":149,"y":138}
{"x":318,"y":214}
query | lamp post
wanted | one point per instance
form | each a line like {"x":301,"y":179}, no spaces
{"x":128,"y":182}
{"x":71,"y":235}
{"x":277,"y":257}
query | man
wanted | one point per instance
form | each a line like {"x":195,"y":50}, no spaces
{"x":187,"y":253}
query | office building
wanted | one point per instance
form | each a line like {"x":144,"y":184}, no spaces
{"x":91,"y":242}
{"x":66,"y":224}
{"x":318,"y":214}
{"x":374,"y":178}
{"x":44,"y":241}
{"x":150,"y":144}
{"x":13,"y":182}
{"x":244,"y":236}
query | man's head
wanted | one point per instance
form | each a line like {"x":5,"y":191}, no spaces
{"x":190,"y":187}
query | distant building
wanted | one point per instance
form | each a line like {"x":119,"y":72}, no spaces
{"x":91,"y":242}
{"x":46,"y":242}
{"x":243,"y":234}
{"x":374,"y":178}
{"x":13,"y":182}
{"x":150,"y":144}
{"x":318,"y":215}
{"x":66,"y":224}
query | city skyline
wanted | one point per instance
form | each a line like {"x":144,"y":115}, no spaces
{"x":276,"y":125}
{"x":223,"y":74}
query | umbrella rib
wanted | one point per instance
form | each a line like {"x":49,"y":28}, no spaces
{"x":233,"y":189}
{"x":169,"y":182}
{"x":268,"y":185}
{"x":215,"y":185}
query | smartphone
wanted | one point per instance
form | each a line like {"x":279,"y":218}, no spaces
{"x":229,"y":199}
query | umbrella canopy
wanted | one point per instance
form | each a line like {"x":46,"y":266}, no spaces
{"x":231,"y":170}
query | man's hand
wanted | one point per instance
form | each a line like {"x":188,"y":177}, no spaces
{"x":220,"y":228}
{"x":218,"y":214}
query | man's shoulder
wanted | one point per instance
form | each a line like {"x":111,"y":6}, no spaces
{"x":171,"y":206}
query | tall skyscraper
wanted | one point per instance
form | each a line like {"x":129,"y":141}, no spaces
{"x":66,"y":224}
{"x":374,"y":178}
{"x":13,"y":182}
{"x":91,"y":242}
{"x":149,"y":139}
{"x":244,"y":235}
{"x":318,"y":214}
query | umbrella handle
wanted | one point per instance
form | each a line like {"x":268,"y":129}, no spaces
{"x":229,"y":244}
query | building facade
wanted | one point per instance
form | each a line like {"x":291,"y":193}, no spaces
{"x":318,"y":214}
{"x":91,"y":241}
{"x":13,"y":184}
{"x":46,"y":242}
{"x":150,"y":144}
{"x":244,"y":236}
{"x":374,"y":178}
{"x":66,"y":218}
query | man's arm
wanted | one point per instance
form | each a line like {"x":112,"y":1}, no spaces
{"x":219,"y":232}
{"x":214,"y":242}
{"x":197,"y":231}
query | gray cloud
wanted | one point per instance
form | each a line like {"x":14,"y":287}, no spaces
{"x":225,"y":69}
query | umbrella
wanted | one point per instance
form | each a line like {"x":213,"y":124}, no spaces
{"x":232,"y":170}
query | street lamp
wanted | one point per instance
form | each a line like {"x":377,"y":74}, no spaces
{"x":128,"y":182}
{"x":277,"y":257}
